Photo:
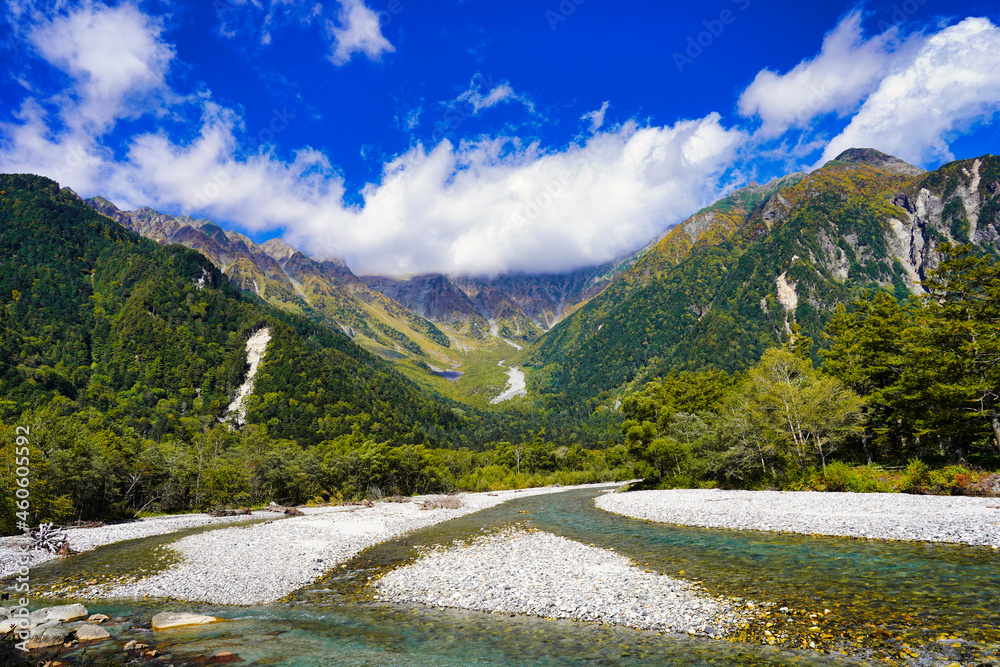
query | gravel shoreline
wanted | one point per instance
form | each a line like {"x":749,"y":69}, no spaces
{"x":85,"y":539}
{"x":257,"y":564}
{"x":877,"y":516}
{"x":535,"y":573}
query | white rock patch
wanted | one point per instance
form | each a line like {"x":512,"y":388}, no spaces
{"x":881,"y":516}
{"x":256,"y":347}
{"x":787,"y":296}
{"x":541,"y":574}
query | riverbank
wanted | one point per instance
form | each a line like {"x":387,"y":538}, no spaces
{"x":264,"y":562}
{"x":536,"y":573}
{"x":877,"y":516}
{"x":86,"y":539}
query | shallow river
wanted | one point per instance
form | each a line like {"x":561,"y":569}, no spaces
{"x":889,"y":603}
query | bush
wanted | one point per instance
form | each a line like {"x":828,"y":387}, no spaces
{"x":917,"y":478}
{"x":864,"y":479}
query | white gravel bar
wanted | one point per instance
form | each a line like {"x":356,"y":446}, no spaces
{"x":267,"y":561}
{"x":85,"y":539}
{"x":540,"y":574}
{"x":876,"y":516}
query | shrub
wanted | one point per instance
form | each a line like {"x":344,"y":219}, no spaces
{"x":917,"y":477}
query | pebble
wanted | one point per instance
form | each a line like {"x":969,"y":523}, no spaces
{"x":84,"y":539}
{"x":540,"y":574}
{"x":880,"y":516}
{"x":264,"y":562}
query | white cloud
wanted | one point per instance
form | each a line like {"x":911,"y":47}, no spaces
{"x":495,"y":93}
{"x":29,"y":146}
{"x":846,"y":70}
{"x":596,"y":117}
{"x":115,"y":56}
{"x":357,"y":31}
{"x":484,"y":207}
{"x":466,"y":209}
{"x":952,"y":82}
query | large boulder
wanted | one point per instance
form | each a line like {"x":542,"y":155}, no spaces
{"x":91,"y":633}
{"x":169,"y":619}
{"x":61,"y":614}
{"x":46,"y":637}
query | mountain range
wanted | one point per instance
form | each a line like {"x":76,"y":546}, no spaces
{"x":715,"y":290}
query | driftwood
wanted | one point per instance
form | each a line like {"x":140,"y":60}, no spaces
{"x":441,"y":503}
{"x":289,"y":511}
{"x":48,"y":537}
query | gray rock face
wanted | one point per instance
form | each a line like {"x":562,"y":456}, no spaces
{"x":875,"y":158}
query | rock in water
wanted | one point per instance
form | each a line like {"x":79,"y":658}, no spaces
{"x":169,"y":619}
{"x":62,"y":614}
{"x":91,"y":633}
{"x":45,"y":638}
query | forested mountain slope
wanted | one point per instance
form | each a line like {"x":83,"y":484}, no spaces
{"x":153,"y":337}
{"x":326,"y":292}
{"x":783,"y":258}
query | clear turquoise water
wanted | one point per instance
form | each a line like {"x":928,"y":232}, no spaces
{"x":888,"y":593}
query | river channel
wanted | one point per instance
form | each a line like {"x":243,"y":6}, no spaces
{"x":877,"y":602}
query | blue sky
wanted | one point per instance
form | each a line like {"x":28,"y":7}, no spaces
{"x":478,"y":136}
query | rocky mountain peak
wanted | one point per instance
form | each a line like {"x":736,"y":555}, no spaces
{"x":278,"y":250}
{"x":880,"y":160}
{"x":102,"y":205}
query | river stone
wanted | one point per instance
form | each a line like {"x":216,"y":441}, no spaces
{"x":47,"y":637}
{"x":98,"y":618}
{"x":91,"y":633}
{"x":62,"y":614}
{"x":169,"y":619}
{"x":7,"y":626}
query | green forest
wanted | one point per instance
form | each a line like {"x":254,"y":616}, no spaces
{"x":909,"y":386}
{"x":118,"y":356}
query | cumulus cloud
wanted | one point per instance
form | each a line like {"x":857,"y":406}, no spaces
{"x":357,"y":31}
{"x":952,"y":82}
{"x":489,"y":207}
{"x":480,"y":208}
{"x":846,"y":70}
{"x":115,"y":56}
{"x":596,"y":117}
{"x":485,"y":206}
